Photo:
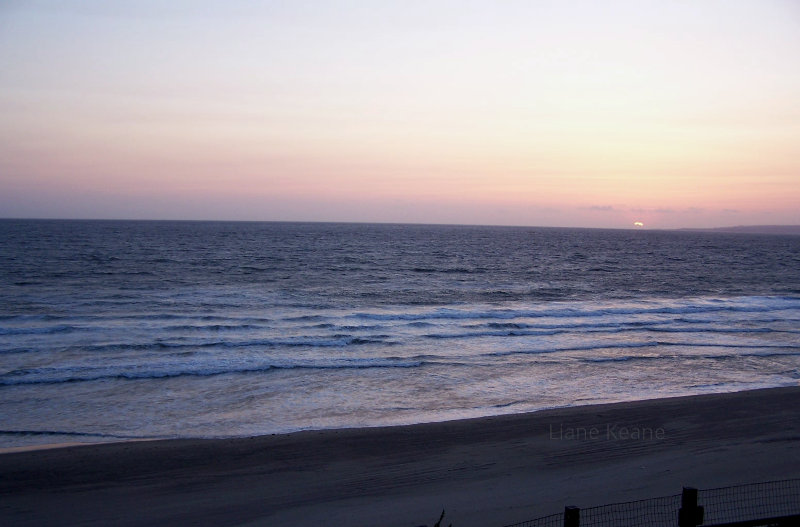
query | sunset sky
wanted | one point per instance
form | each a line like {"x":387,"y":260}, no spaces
{"x":553,"y":113}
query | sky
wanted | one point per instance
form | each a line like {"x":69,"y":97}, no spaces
{"x":550,"y":113}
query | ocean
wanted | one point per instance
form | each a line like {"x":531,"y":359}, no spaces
{"x":115,"y":330}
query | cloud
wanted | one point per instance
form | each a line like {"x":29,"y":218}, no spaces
{"x":661,"y":210}
{"x":600,"y":208}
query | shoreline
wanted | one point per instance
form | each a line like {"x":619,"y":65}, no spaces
{"x":484,"y":471}
{"x":531,"y":413}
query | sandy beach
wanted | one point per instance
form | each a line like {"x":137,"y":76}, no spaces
{"x":490,"y":472}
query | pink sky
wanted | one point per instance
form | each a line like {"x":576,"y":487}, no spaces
{"x":556,"y":113}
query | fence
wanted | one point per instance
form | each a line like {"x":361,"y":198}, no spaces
{"x":774,"y":503}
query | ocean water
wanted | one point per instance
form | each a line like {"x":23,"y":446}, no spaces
{"x":112,"y":329}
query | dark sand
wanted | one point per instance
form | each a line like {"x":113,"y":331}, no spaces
{"x":488,"y":472}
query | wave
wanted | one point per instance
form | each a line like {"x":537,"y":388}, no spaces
{"x":64,"y":328}
{"x":215,"y":327}
{"x":713,"y":330}
{"x":578,"y":310}
{"x":447,"y":270}
{"x":75,"y":434}
{"x":715,"y":357}
{"x":508,"y":333}
{"x":663,"y":325}
{"x":47,"y":330}
{"x":72,"y":375}
{"x":607,"y":329}
{"x":332,"y":341}
{"x":614,"y":345}
{"x":420,"y":324}
{"x":579,"y":325}
{"x":116,"y":317}
{"x":651,"y":344}
{"x":742,"y":305}
{"x":628,"y":358}
{"x":32,"y":317}
{"x":306,"y":318}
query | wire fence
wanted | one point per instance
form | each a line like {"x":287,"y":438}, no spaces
{"x":709,"y":507}
{"x":554,"y":520}
{"x":655,"y":512}
{"x":750,"y":502}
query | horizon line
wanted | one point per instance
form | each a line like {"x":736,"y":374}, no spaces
{"x":784,"y":228}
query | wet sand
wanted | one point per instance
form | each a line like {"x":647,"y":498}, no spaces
{"x":489,"y":472}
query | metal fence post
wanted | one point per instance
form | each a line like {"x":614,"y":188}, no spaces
{"x":572,"y":516}
{"x":690,"y":515}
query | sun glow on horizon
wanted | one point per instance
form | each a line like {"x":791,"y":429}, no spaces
{"x":548,"y":113}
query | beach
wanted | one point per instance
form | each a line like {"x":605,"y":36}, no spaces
{"x":487,"y":471}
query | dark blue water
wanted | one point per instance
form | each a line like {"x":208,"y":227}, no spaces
{"x":166,"y":329}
